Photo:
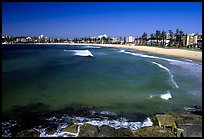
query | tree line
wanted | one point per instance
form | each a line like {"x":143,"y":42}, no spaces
{"x":175,"y":39}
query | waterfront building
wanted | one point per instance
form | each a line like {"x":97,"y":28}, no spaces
{"x":130,"y":39}
{"x":191,"y":40}
{"x":20,"y":39}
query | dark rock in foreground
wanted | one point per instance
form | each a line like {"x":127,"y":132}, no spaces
{"x":191,"y":124}
{"x":28,"y":133}
{"x":124,"y":132}
{"x":106,"y":131}
{"x":71,"y":128}
{"x":153,"y":131}
{"x":88,"y":130}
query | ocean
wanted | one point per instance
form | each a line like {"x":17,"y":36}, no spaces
{"x":111,"y":81}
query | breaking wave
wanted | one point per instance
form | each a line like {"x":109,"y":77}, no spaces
{"x":188,"y":64}
{"x":147,"y":56}
{"x":161,"y":66}
{"x":62,"y":122}
{"x":166,"y":96}
{"x":81,"y":52}
{"x":118,"y":123}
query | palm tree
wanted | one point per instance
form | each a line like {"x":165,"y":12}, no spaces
{"x":177,"y":37}
{"x":152,"y":38}
{"x":171,"y":34}
{"x":144,"y":37}
{"x":163,"y":35}
{"x":158,"y":33}
{"x":180,"y":38}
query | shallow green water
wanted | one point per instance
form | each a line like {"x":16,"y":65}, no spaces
{"x":118,"y":81}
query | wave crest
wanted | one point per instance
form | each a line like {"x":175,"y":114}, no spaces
{"x":81,"y":52}
{"x":163,"y":67}
{"x":166,"y":96}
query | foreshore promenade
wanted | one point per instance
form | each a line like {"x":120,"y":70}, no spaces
{"x":189,"y":54}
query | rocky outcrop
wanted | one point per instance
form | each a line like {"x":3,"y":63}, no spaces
{"x":28,"y":133}
{"x":124,"y":132}
{"x":71,"y":129}
{"x":153,"y":131}
{"x":106,"y":131}
{"x":190,"y":124}
{"x":164,"y":125}
{"x":181,"y":125}
{"x":88,"y":130}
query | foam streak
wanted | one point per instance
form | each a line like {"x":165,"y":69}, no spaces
{"x":163,"y":67}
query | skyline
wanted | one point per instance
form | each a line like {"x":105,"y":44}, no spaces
{"x":87,"y":19}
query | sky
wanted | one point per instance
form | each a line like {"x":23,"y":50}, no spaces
{"x":88,"y":19}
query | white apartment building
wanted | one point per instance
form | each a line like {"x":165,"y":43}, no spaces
{"x":130,"y":39}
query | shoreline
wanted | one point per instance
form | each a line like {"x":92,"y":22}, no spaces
{"x":70,"y":123}
{"x":189,"y":54}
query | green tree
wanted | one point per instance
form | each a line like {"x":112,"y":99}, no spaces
{"x":177,"y":37}
{"x":158,"y":34}
{"x":181,"y":34}
{"x":152,"y":37}
{"x":163,"y":35}
{"x":144,"y":38}
{"x":171,"y":34}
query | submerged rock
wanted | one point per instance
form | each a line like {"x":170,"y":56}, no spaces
{"x":153,"y":131}
{"x":28,"y":133}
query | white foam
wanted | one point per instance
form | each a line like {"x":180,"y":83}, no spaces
{"x":147,"y":122}
{"x":166,"y":96}
{"x":149,"y":56}
{"x":122,"y":51}
{"x":121,"y":124}
{"x":94,"y":47}
{"x":163,"y":67}
{"x":188,"y":60}
{"x":193,"y":68}
{"x":107,"y":113}
{"x":81,"y":52}
{"x":118,"y":123}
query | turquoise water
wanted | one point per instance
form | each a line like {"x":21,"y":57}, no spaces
{"x":117,"y":80}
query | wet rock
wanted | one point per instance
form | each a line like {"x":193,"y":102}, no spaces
{"x":194,"y":110}
{"x":71,"y":128}
{"x":106,"y":131}
{"x":191,"y":125}
{"x":28,"y":133}
{"x":187,"y":125}
{"x":153,"y":131}
{"x":83,"y":110}
{"x":74,"y":121}
{"x":88,"y":130}
{"x":124,"y":132}
{"x":51,"y":129}
{"x":164,"y":121}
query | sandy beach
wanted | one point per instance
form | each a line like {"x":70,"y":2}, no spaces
{"x":189,"y":54}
